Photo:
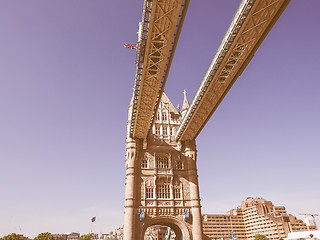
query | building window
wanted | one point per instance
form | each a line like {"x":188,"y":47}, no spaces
{"x":164,"y":116}
{"x":165,"y":131}
{"x":162,"y":162}
{"x":149,"y":192}
{"x":177,"y":192}
{"x":157,"y":131}
{"x":163,"y":190}
{"x":179,"y":165}
{"x":158,"y":116}
{"x":145,"y":163}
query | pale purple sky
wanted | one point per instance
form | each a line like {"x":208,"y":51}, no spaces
{"x":66,"y":82}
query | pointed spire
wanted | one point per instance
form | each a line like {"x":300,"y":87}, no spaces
{"x":185,"y":104}
{"x":131,"y":102}
{"x":130,"y":106}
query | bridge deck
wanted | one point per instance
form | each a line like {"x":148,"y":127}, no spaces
{"x":161,"y":25}
{"x":250,"y":25}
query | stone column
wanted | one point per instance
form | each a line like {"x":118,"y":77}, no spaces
{"x":130,"y":194}
{"x":191,"y":154}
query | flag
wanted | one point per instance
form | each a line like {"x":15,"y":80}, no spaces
{"x":93,"y":219}
{"x":130,"y":46}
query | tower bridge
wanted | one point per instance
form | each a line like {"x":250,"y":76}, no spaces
{"x":161,"y":172}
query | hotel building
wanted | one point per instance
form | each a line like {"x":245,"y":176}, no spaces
{"x":253,"y":216}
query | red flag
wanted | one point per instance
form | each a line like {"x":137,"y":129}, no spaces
{"x":130,"y":46}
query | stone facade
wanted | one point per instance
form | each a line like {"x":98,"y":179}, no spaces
{"x":161,"y":179}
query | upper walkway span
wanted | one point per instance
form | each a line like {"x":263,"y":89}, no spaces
{"x":250,"y":25}
{"x":158,"y":36}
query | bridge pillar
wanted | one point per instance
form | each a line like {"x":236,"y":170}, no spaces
{"x":130,"y":194}
{"x":191,"y":155}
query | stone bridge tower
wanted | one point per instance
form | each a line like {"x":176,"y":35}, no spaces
{"x":161,"y":179}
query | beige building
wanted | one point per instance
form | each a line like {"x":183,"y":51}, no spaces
{"x":253,"y":216}
{"x":218,"y":226}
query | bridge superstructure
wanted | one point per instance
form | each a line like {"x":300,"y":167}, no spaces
{"x":249,"y":27}
{"x":161,"y":173}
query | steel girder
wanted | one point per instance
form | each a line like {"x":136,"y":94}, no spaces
{"x":250,"y":25}
{"x":161,"y":25}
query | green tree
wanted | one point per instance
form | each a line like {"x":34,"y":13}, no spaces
{"x":86,"y":237}
{"x":260,"y":237}
{"x":12,"y":236}
{"x":44,"y":236}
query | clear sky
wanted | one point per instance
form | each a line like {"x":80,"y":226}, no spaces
{"x":66,"y":82}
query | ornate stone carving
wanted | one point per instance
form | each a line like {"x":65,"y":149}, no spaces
{"x":151,"y":203}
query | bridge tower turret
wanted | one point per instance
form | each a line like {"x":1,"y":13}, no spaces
{"x":185,"y":104}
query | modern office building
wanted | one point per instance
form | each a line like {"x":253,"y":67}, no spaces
{"x":253,"y":216}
